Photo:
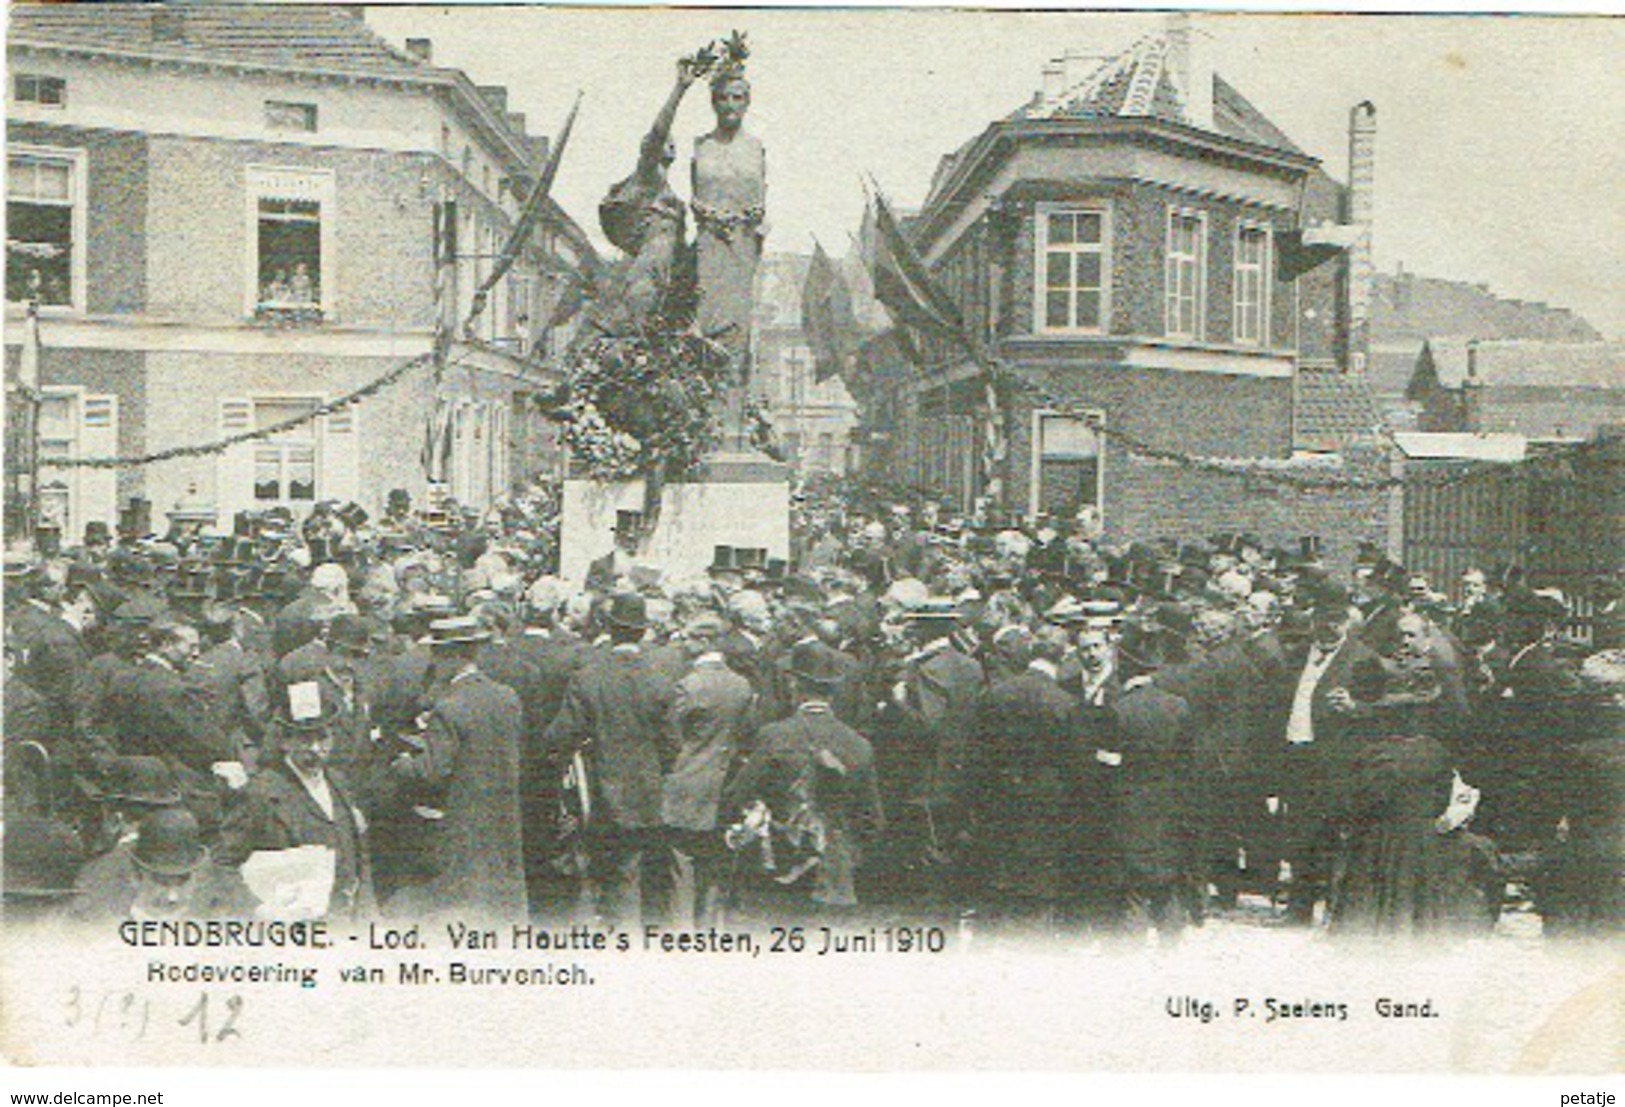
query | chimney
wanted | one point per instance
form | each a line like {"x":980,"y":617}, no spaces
{"x":1191,"y":69}
{"x":516,"y":122}
{"x":422,"y":49}
{"x":1472,"y":393}
{"x":496,"y":96}
{"x":1361,"y":208}
{"x":168,"y":25}
{"x":1054,"y":83}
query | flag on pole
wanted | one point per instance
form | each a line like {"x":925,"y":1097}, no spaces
{"x":903,"y":283}
{"x":826,"y":316}
{"x":528,"y":218}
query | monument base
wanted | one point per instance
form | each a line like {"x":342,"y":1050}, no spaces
{"x":736,"y":499}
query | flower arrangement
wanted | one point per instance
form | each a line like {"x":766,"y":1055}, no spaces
{"x":643,"y":405}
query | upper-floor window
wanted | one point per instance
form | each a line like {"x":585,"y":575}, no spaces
{"x":285,"y":115}
{"x":1186,"y":286}
{"x":35,"y":88}
{"x":1252,"y":284}
{"x":291,"y":265}
{"x":44,"y":226}
{"x":1073,"y":277}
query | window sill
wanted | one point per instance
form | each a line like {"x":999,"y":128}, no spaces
{"x":46,"y":311}
{"x":288,"y":316}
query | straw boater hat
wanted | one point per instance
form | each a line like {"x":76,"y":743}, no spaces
{"x":456,"y":631}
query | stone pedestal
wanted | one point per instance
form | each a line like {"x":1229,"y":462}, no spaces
{"x":736,"y":499}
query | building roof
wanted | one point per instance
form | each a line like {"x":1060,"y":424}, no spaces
{"x":299,"y":37}
{"x":1417,"y":446}
{"x":1139,"y":83}
{"x":1332,"y":409}
{"x":1528,"y":364}
{"x":1407,"y":306}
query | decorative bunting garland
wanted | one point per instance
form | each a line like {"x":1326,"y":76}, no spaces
{"x":220,"y":446}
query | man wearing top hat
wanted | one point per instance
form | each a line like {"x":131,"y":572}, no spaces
{"x":1028,"y":761}
{"x":1311,"y":763}
{"x":293,"y":801}
{"x":604,"y":573}
{"x":464,"y":784}
{"x":615,"y":713}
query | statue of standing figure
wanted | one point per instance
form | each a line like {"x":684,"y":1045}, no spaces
{"x":708,"y":287}
{"x":729,"y":204}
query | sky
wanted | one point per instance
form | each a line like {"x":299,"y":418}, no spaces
{"x":1499,"y":138}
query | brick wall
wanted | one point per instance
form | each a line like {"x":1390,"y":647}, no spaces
{"x":199,"y":226}
{"x":1146,"y":499}
{"x":1139,"y":228}
{"x":116,"y":167}
{"x":119,"y":372}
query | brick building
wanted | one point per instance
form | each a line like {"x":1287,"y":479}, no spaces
{"x":229,"y":214}
{"x":1410,"y":310}
{"x":1147,"y":253}
{"x":1541,"y":390}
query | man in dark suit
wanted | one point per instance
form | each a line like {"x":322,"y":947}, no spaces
{"x":615,"y":712}
{"x":465,"y":782}
{"x":549,"y":655}
{"x":1314,"y":759}
{"x":292,"y":801}
{"x":707,"y":723}
{"x":157,"y":712}
{"x":49,"y":650}
{"x":812,"y":766}
{"x":1029,"y":762}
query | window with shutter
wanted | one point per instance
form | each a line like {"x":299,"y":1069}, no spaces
{"x":341,"y":456}
{"x":97,"y":493}
{"x":235,"y":471}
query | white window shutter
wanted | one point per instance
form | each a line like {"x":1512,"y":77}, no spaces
{"x":97,"y":488}
{"x":234,"y":477}
{"x":340,"y":477}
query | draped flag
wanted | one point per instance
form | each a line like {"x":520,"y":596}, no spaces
{"x":903,"y":284}
{"x":528,"y":218}
{"x":827,"y":317}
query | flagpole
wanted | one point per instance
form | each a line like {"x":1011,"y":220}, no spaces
{"x":27,"y":433}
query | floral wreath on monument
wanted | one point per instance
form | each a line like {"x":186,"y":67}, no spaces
{"x":643,"y":405}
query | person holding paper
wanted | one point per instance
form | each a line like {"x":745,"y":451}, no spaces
{"x":293,"y":806}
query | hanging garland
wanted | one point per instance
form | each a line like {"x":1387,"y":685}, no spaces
{"x":642,"y":405}
{"x":219,"y":446}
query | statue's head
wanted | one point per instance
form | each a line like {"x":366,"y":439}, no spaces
{"x":730,"y":98}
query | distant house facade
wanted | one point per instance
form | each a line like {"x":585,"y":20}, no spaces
{"x":1150,"y":256}
{"x":1410,"y":310}
{"x":230,"y":215}
{"x":813,"y":419}
{"x":1540,"y":390}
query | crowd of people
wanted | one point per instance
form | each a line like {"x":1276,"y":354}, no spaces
{"x":1013,"y":728}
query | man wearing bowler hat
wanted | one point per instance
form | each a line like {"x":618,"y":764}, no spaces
{"x":615,"y":713}
{"x":464,"y":784}
{"x":815,"y":763}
